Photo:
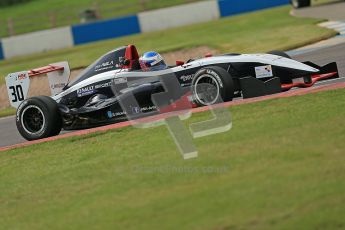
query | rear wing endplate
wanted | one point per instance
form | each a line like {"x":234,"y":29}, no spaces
{"x":18,"y":83}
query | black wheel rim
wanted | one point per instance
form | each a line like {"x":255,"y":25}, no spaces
{"x":33,"y":119}
{"x":206,"y":90}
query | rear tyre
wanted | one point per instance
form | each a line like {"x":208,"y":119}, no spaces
{"x":38,"y":118}
{"x":300,"y":3}
{"x":280,"y":53}
{"x":212,"y":85}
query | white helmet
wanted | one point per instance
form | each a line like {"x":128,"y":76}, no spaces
{"x":151,"y":61}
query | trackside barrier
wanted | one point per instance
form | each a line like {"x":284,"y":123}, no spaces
{"x":143,"y":22}
{"x":176,"y":16}
{"x":36,"y":42}
{"x":233,"y":7}
{"x":1,"y":51}
{"x":106,"y":29}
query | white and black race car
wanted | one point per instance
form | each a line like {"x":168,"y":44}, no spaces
{"x":114,"y":88}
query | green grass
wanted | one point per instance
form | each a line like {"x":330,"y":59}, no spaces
{"x":282,"y":167}
{"x":7,"y":112}
{"x":255,"y":32}
{"x":34,"y":15}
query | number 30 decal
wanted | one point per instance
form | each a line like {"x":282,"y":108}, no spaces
{"x":17,"y":87}
{"x":17,"y":93}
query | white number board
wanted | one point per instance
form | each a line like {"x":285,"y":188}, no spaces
{"x":17,"y":87}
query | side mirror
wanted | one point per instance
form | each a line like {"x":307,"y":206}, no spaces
{"x":124,"y":61}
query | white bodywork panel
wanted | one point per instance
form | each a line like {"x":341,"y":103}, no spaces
{"x":265,"y":59}
{"x":58,"y":79}
{"x":17,"y":87}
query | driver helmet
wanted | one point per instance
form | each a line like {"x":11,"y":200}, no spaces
{"x":152,"y":61}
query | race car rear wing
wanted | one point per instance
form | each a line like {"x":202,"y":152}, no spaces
{"x":18,"y":83}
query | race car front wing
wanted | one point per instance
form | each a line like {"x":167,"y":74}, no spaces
{"x":253,"y":87}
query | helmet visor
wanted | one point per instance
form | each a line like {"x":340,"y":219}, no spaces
{"x":144,"y":65}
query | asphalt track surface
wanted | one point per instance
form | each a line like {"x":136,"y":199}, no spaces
{"x":9,"y":135}
{"x":333,"y":11}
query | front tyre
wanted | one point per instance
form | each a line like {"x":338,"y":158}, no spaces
{"x":212,"y":85}
{"x":38,"y":118}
